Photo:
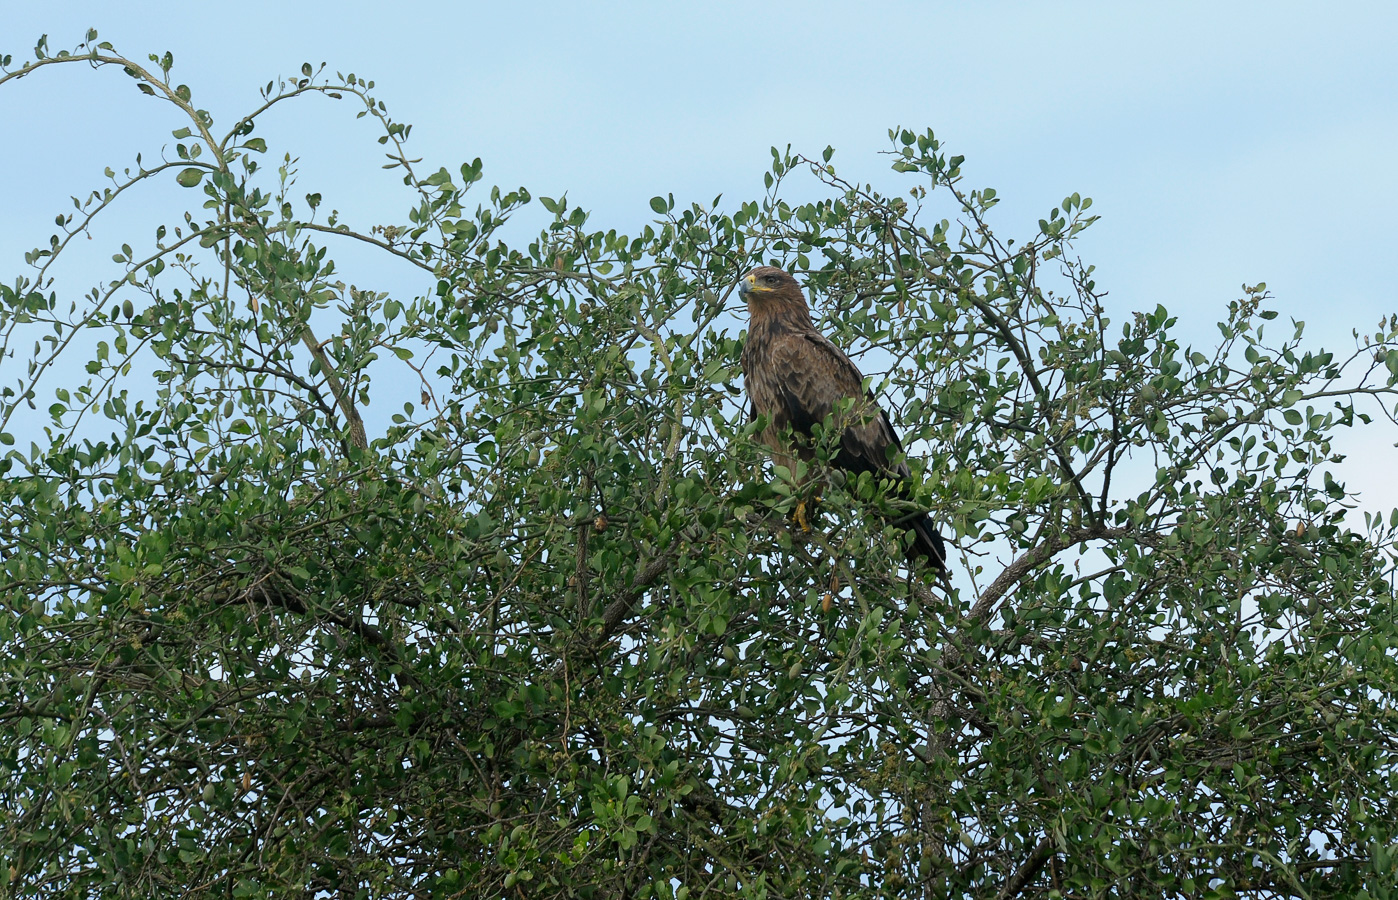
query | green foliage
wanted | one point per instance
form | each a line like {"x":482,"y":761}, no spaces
{"x":548,"y":630}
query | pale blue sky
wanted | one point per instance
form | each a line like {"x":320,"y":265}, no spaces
{"x":1222,"y":143}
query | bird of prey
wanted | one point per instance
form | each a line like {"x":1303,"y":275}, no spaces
{"x":795,"y":377}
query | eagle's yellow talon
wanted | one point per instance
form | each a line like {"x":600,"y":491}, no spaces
{"x":800,"y":517}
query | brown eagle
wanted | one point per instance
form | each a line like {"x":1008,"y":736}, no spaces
{"x":795,"y":376}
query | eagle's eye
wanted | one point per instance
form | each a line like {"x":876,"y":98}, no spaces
{"x":770,"y":279}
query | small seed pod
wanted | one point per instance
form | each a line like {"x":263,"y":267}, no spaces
{"x":599,"y":524}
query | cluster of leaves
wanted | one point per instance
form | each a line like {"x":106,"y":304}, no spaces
{"x":548,"y":632}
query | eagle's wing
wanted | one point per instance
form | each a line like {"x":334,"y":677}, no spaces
{"x":811,"y":375}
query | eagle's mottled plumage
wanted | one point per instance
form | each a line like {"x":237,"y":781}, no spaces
{"x":795,"y":377}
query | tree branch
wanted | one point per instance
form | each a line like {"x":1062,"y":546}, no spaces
{"x":1026,"y":872}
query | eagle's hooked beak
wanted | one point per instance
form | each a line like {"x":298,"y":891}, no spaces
{"x":746,"y":285}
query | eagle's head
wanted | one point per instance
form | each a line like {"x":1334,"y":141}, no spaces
{"x":767,"y":289}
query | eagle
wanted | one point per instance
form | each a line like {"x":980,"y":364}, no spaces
{"x":796,"y":377}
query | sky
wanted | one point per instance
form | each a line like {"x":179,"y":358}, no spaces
{"x":1222,"y":144}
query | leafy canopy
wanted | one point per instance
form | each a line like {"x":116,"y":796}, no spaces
{"x":547,"y":631}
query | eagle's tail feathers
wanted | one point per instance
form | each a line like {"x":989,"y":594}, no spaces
{"x":927,"y":544}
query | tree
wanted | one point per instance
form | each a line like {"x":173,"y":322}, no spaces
{"x":549,"y":631}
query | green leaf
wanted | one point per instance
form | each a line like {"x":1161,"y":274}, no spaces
{"x":190,"y":177}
